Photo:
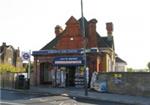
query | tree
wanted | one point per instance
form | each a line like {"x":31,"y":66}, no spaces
{"x":26,"y":66}
{"x":148,"y":65}
{"x":10,"y":68}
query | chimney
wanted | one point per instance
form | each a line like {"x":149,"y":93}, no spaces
{"x":92,"y":39}
{"x":4,"y":44}
{"x":58,"y":30}
{"x":92,"y":27}
{"x":18,"y":52}
{"x":109,"y":28}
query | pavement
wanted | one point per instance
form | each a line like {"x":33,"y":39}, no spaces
{"x":80,"y":93}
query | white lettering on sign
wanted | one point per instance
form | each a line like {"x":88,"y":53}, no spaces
{"x":68,"y":62}
{"x":68,"y":59}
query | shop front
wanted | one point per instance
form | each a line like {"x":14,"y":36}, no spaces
{"x":69,"y":72}
{"x":63,"y":72}
{"x":69,"y":76}
{"x":59,"y":70}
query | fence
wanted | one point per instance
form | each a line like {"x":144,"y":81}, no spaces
{"x":7,"y":80}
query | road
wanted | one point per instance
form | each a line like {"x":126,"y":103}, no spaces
{"x":21,"y":98}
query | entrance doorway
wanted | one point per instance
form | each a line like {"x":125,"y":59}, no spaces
{"x":45,"y":73}
{"x":70,"y":76}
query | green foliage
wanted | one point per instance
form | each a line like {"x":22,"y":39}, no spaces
{"x":10,"y":68}
{"x":130,"y":70}
{"x":148,"y":65}
{"x":26,"y":66}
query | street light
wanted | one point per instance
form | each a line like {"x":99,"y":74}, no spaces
{"x":84,"y":51}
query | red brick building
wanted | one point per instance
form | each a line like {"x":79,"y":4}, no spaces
{"x":60,"y":62}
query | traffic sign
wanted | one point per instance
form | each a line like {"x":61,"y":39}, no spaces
{"x":25,"y":56}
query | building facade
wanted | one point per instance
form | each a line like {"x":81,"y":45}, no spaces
{"x":60,"y":62}
{"x":10,"y":56}
{"x":120,"y":65}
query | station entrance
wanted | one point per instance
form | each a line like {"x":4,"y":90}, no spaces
{"x":64,"y":72}
{"x":70,"y":76}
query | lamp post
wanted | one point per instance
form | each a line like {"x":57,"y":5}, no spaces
{"x":84,"y":51}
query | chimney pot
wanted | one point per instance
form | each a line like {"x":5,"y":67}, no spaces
{"x":93,"y":21}
{"x":4,"y":44}
{"x":58,"y":30}
{"x":109,"y":28}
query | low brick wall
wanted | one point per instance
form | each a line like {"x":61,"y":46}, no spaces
{"x":130,"y":83}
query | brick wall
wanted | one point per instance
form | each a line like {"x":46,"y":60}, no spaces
{"x":136,"y":83}
{"x":72,"y":37}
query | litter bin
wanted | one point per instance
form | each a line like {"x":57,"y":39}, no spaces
{"x":20,"y":82}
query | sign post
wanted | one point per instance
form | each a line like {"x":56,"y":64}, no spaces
{"x":26,"y":57}
{"x":84,"y":51}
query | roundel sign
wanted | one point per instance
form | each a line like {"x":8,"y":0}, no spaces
{"x":25,"y":55}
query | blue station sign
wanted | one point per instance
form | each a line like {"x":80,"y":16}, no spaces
{"x":68,"y":61}
{"x":68,"y":51}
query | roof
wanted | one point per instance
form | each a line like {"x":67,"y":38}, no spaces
{"x":5,"y":46}
{"x":3,"y":49}
{"x":108,"y":40}
{"x":102,"y":41}
{"x":119,"y":60}
{"x":51,"y":44}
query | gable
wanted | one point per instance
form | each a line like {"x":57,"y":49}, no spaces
{"x":71,"y":21}
{"x":72,"y":27}
{"x":72,"y":37}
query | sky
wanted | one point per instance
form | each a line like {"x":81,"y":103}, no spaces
{"x":29,"y":24}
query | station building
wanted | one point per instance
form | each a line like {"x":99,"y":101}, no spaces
{"x":60,"y":62}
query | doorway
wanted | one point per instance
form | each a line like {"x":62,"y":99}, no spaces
{"x":45,"y":73}
{"x":70,"y":76}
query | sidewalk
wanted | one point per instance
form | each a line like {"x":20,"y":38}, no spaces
{"x":73,"y":92}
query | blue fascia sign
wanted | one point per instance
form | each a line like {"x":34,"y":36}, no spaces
{"x":45,"y":52}
{"x":68,"y":61}
{"x":67,"y":51}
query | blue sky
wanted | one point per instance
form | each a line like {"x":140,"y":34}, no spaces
{"x":29,"y":24}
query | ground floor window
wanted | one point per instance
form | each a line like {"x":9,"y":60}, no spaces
{"x":45,"y":73}
{"x":70,"y":76}
{"x":62,"y":76}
